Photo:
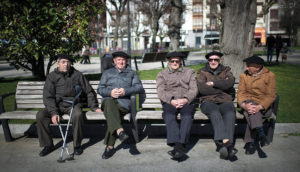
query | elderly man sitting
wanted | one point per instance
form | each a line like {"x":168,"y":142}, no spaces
{"x":116,"y":86}
{"x":177,"y":88}
{"x":256,"y":93}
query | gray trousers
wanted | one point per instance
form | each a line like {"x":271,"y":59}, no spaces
{"x":178,"y":133}
{"x":222,"y":117}
{"x":43,"y":119}
{"x":254,"y":121}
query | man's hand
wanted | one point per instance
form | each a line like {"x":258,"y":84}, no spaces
{"x":55,"y":119}
{"x":179,"y":103}
{"x":117,"y":92}
{"x":252,"y":109}
{"x":121,"y":91}
{"x":174,"y":103}
{"x":98,"y":110}
{"x":209,"y":83}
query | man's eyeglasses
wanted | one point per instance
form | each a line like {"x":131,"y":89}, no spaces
{"x":216,"y":60}
{"x":174,"y":61}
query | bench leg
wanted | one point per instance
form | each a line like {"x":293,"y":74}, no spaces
{"x":135,"y":131}
{"x":6,"y":130}
{"x":162,"y":64}
{"x":270,"y":130}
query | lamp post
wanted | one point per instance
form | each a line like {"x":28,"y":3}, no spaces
{"x":99,"y":38}
{"x":128,"y":32}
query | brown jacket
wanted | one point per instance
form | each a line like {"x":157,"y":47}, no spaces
{"x":222,"y":90}
{"x":260,"y":89}
{"x":175,"y":85}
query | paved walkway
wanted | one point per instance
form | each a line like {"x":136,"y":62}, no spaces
{"x":193,"y":58}
{"x":150,"y":155}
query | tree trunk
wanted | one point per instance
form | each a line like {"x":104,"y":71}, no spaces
{"x":155,"y":28}
{"x":175,"y":24}
{"x":238,"y":20}
{"x":38,"y":68}
{"x":116,"y":34}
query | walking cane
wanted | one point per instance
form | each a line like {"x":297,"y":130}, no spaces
{"x":64,"y":136}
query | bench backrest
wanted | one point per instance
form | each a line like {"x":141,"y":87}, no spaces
{"x":29,"y":95}
{"x":150,"y":100}
{"x":148,"y":57}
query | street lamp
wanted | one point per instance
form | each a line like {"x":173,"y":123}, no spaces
{"x":128,"y":32}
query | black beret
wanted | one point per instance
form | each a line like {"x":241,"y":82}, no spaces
{"x":254,"y":59}
{"x":213,"y":53}
{"x":65,"y":56}
{"x":175,"y":54}
{"x":120,"y":54}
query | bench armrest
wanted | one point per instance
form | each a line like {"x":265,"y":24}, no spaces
{"x":275,"y":105}
{"x":133,"y":107}
{"x":2,"y":97}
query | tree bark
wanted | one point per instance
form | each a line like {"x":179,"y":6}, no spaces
{"x":154,"y":28}
{"x":175,"y":24}
{"x":238,"y":23}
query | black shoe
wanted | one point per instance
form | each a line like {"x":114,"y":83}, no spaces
{"x":263,"y":141}
{"x":123,"y":136}
{"x":108,"y":153}
{"x":179,"y":151}
{"x":178,"y":155}
{"x":250,"y":148}
{"x":231,"y":151}
{"x":172,"y":152}
{"x":223,"y":152}
{"x":78,"y":150}
{"x":46,"y":150}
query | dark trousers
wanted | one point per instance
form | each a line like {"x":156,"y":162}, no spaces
{"x":112,"y":112}
{"x":277,"y":53}
{"x":254,"y":121}
{"x":178,"y":133}
{"x":43,"y":119}
{"x":270,"y":54}
{"x":222,"y":117}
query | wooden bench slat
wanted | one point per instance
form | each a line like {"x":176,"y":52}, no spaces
{"x":28,"y":101}
{"x":145,"y":86}
{"x":29,"y":96}
{"x":30,"y":87}
{"x":151,"y":106}
{"x":30,"y":92}
{"x":148,"y":81}
{"x":30,"y":106}
{"x":152,"y":101}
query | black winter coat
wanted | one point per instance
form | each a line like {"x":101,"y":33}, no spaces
{"x":62,"y":85}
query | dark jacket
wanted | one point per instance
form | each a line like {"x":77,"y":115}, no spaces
{"x":222,"y":90}
{"x":127,"y":79}
{"x":62,"y":85}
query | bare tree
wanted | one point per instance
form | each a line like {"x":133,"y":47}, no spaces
{"x":175,"y":22}
{"x":238,"y":23}
{"x":289,"y":20}
{"x":137,"y":26}
{"x":116,"y":15}
{"x":153,"y":9}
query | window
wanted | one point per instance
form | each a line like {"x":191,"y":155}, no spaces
{"x":274,"y":14}
{"x":197,"y":21}
{"x":274,"y":26}
{"x":197,"y":9}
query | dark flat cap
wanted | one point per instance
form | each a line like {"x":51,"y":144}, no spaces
{"x":65,"y":56}
{"x":216,"y":53}
{"x":175,"y":54}
{"x":254,"y":59}
{"x":120,"y":54}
